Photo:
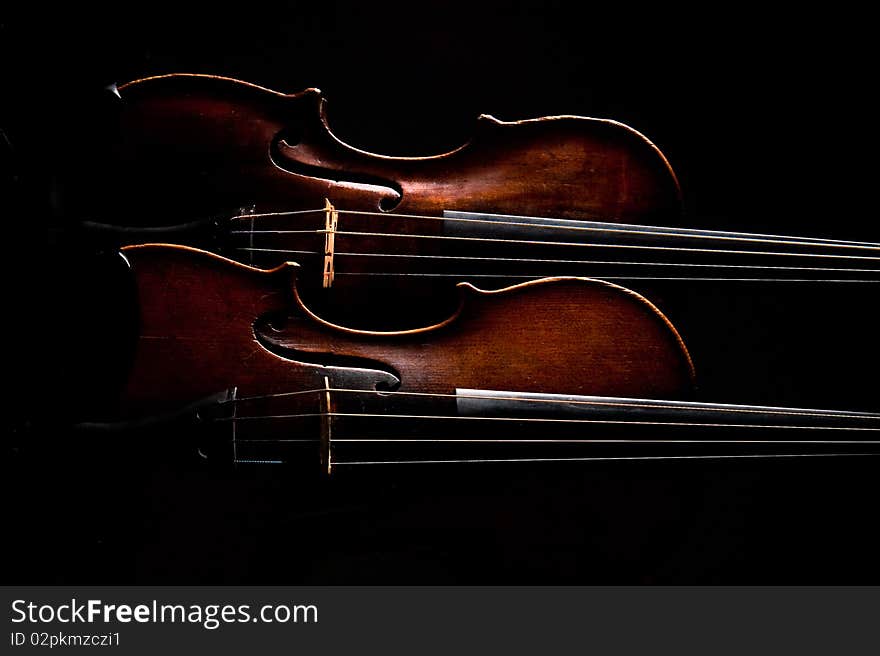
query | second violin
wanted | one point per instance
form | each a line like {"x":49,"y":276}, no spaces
{"x":552,"y":370}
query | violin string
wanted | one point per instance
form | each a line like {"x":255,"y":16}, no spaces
{"x":419,"y":440}
{"x":538,"y":242}
{"x":580,"y":441}
{"x":612,"y":277}
{"x":708,"y":234}
{"x":546,"y":420}
{"x":593,"y":458}
{"x":604,"y":276}
{"x":633,"y":229}
{"x":609,"y":402}
{"x":245,"y":216}
{"x":556,"y":261}
{"x":651,"y":231}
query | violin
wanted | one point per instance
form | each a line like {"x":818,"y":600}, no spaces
{"x":368,"y":308}
{"x":259,"y":177}
{"x":553,"y":370}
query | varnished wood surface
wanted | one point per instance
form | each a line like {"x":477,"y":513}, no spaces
{"x":198,"y":314}
{"x":191,"y":146}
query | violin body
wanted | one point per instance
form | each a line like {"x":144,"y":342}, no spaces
{"x":192,"y":147}
{"x":208,"y":323}
{"x":212,"y":328}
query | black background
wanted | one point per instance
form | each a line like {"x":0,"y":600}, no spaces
{"x":766,"y":118}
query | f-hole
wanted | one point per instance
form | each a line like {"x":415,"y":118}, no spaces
{"x":289,"y":153}
{"x":268,"y":327}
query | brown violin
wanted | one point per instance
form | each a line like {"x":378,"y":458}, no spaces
{"x":554,"y":370}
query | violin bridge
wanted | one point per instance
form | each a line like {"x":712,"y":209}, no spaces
{"x":331,"y":219}
{"x":326,"y":410}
